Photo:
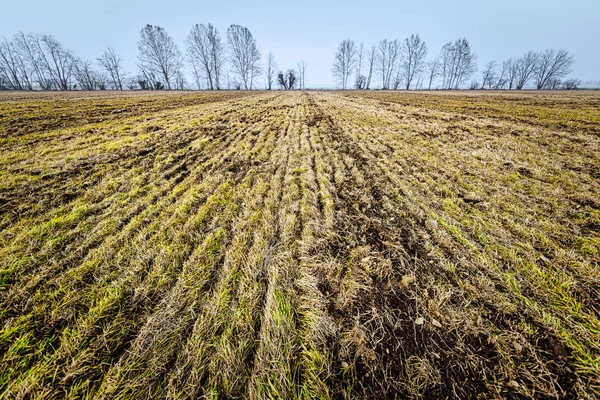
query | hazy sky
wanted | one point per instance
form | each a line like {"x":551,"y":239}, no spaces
{"x":311,"y":30}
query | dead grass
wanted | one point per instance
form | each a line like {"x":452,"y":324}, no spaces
{"x":312,"y":245}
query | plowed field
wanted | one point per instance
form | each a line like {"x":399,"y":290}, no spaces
{"x":299,"y":244}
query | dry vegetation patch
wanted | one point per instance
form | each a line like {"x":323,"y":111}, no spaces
{"x":300,"y":244}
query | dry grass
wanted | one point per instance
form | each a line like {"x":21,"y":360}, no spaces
{"x":313,"y":245}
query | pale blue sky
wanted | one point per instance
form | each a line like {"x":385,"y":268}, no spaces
{"x":311,"y":30}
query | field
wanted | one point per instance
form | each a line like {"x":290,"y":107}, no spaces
{"x":300,"y":244}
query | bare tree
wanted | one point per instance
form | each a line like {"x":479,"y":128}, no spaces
{"x":445,"y":58}
{"x":360,"y":59}
{"x":502,"y":79}
{"x":571,"y":84}
{"x":86,"y":77}
{"x":433,"y":71}
{"x":382,"y":61}
{"x":552,"y":64}
{"x":270,"y":71}
{"x":302,"y":74}
{"x":131,"y":83}
{"x":525,"y":67}
{"x":206,"y":54}
{"x":344,"y":61}
{"x":55,"y":64}
{"x":553,"y":84}
{"x":113,"y":65}
{"x":371,"y":61}
{"x":180,"y":82}
{"x":396,"y":82}
{"x":30,"y":49}
{"x":511,"y":70}
{"x":244,"y":54}
{"x":217,"y":54}
{"x":413,"y":63}
{"x":15,"y":72}
{"x":420,"y":79}
{"x":197,"y":75}
{"x":158,"y":56}
{"x":388,"y":52}
{"x":466,"y":61}
{"x":360,"y":80}
{"x":458,"y":63}
{"x":148,"y":80}
{"x":488,"y":75}
{"x":197,"y":48}
{"x":59,"y":61}
{"x":101,"y":81}
{"x":287,"y":80}
{"x":9,"y":68}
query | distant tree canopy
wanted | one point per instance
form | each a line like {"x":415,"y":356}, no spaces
{"x":287,"y":80}
{"x":544,"y":69}
{"x":159,"y":59}
{"x":41,"y":60}
{"x":270,"y":70}
{"x":244,"y":55}
{"x":404,"y":64}
{"x":206,"y":55}
{"x":112,"y":63}
{"x":344,"y":60}
{"x":32,"y":61}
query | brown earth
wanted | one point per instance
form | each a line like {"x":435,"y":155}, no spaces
{"x":300,"y":244}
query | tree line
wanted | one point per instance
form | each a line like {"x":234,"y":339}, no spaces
{"x":403,"y":64}
{"x":544,"y":69}
{"x":34,"y":61}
